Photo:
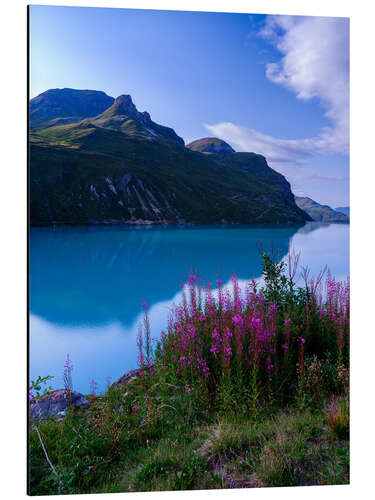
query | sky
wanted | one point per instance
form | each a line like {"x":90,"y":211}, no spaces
{"x":274,"y":85}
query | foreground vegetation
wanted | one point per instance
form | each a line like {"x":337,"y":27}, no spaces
{"x":245,"y":389}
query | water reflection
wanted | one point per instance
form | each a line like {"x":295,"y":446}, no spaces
{"x":95,"y":276}
{"x":87,"y":284}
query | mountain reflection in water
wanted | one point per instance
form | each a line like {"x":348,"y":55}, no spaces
{"x":87,"y":283}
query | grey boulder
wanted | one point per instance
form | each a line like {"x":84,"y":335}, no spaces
{"x":56,"y":403}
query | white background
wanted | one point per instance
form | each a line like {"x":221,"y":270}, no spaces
{"x":13,"y":240}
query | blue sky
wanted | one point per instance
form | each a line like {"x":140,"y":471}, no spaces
{"x":276,"y":85}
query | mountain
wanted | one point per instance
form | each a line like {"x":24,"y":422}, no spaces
{"x":123,"y":116}
{"x":343,"y":210}
{"x":120,"y":167}
{"x":211,"y":145}
{"x":252,"y":163}
{"x":61,"y":106}
{"x":321,"y":213}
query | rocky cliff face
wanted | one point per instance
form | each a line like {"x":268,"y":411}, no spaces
{"x":121,"y":167}
{"x":124,"y":106}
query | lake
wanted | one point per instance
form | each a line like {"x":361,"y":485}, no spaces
{"x":87,"y":284}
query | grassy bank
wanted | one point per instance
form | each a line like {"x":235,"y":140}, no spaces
{"x":246,"y":388}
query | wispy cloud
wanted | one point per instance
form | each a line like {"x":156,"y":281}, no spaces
{"x":277,"y":151}
{"x":314,"y":64}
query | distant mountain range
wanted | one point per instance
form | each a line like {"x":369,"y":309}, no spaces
{"x":98,"y":160}
{"x":343,"y":210}
{"x":320,"y":213}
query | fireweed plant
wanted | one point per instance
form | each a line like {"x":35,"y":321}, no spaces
{"x":242,"y":350}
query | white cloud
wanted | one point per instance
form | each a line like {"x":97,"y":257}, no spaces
{"x":277,"y":151}
{"x":314,"y":65}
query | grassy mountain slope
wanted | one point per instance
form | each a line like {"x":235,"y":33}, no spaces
{"x":125,"y":117}
{"x":211,"y":145}
{"x":320,"y":213}
{"x":121,"y":167}
{"x":58,"y":106}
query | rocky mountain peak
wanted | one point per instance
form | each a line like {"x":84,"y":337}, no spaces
{"x":124,"y":105}
{"x":125,"y":102}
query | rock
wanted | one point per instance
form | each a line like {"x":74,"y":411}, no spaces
{"x":128,"y":376}
{"x":56,"y":403}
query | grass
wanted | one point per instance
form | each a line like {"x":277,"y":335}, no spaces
{"x":288,"y":448}
{"x":66,"y":160}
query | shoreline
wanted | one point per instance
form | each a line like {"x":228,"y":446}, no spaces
{"x":146,"y":224}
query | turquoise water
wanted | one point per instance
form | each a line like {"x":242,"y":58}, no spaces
{"x":87,"y":284}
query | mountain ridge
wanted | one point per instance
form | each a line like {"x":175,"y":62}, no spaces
{"x":66,"y":104}
{"x":120,"y":167}
{"x":211,"y":145}
{"x":343,"y":210}
{"x":318,"y":212}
